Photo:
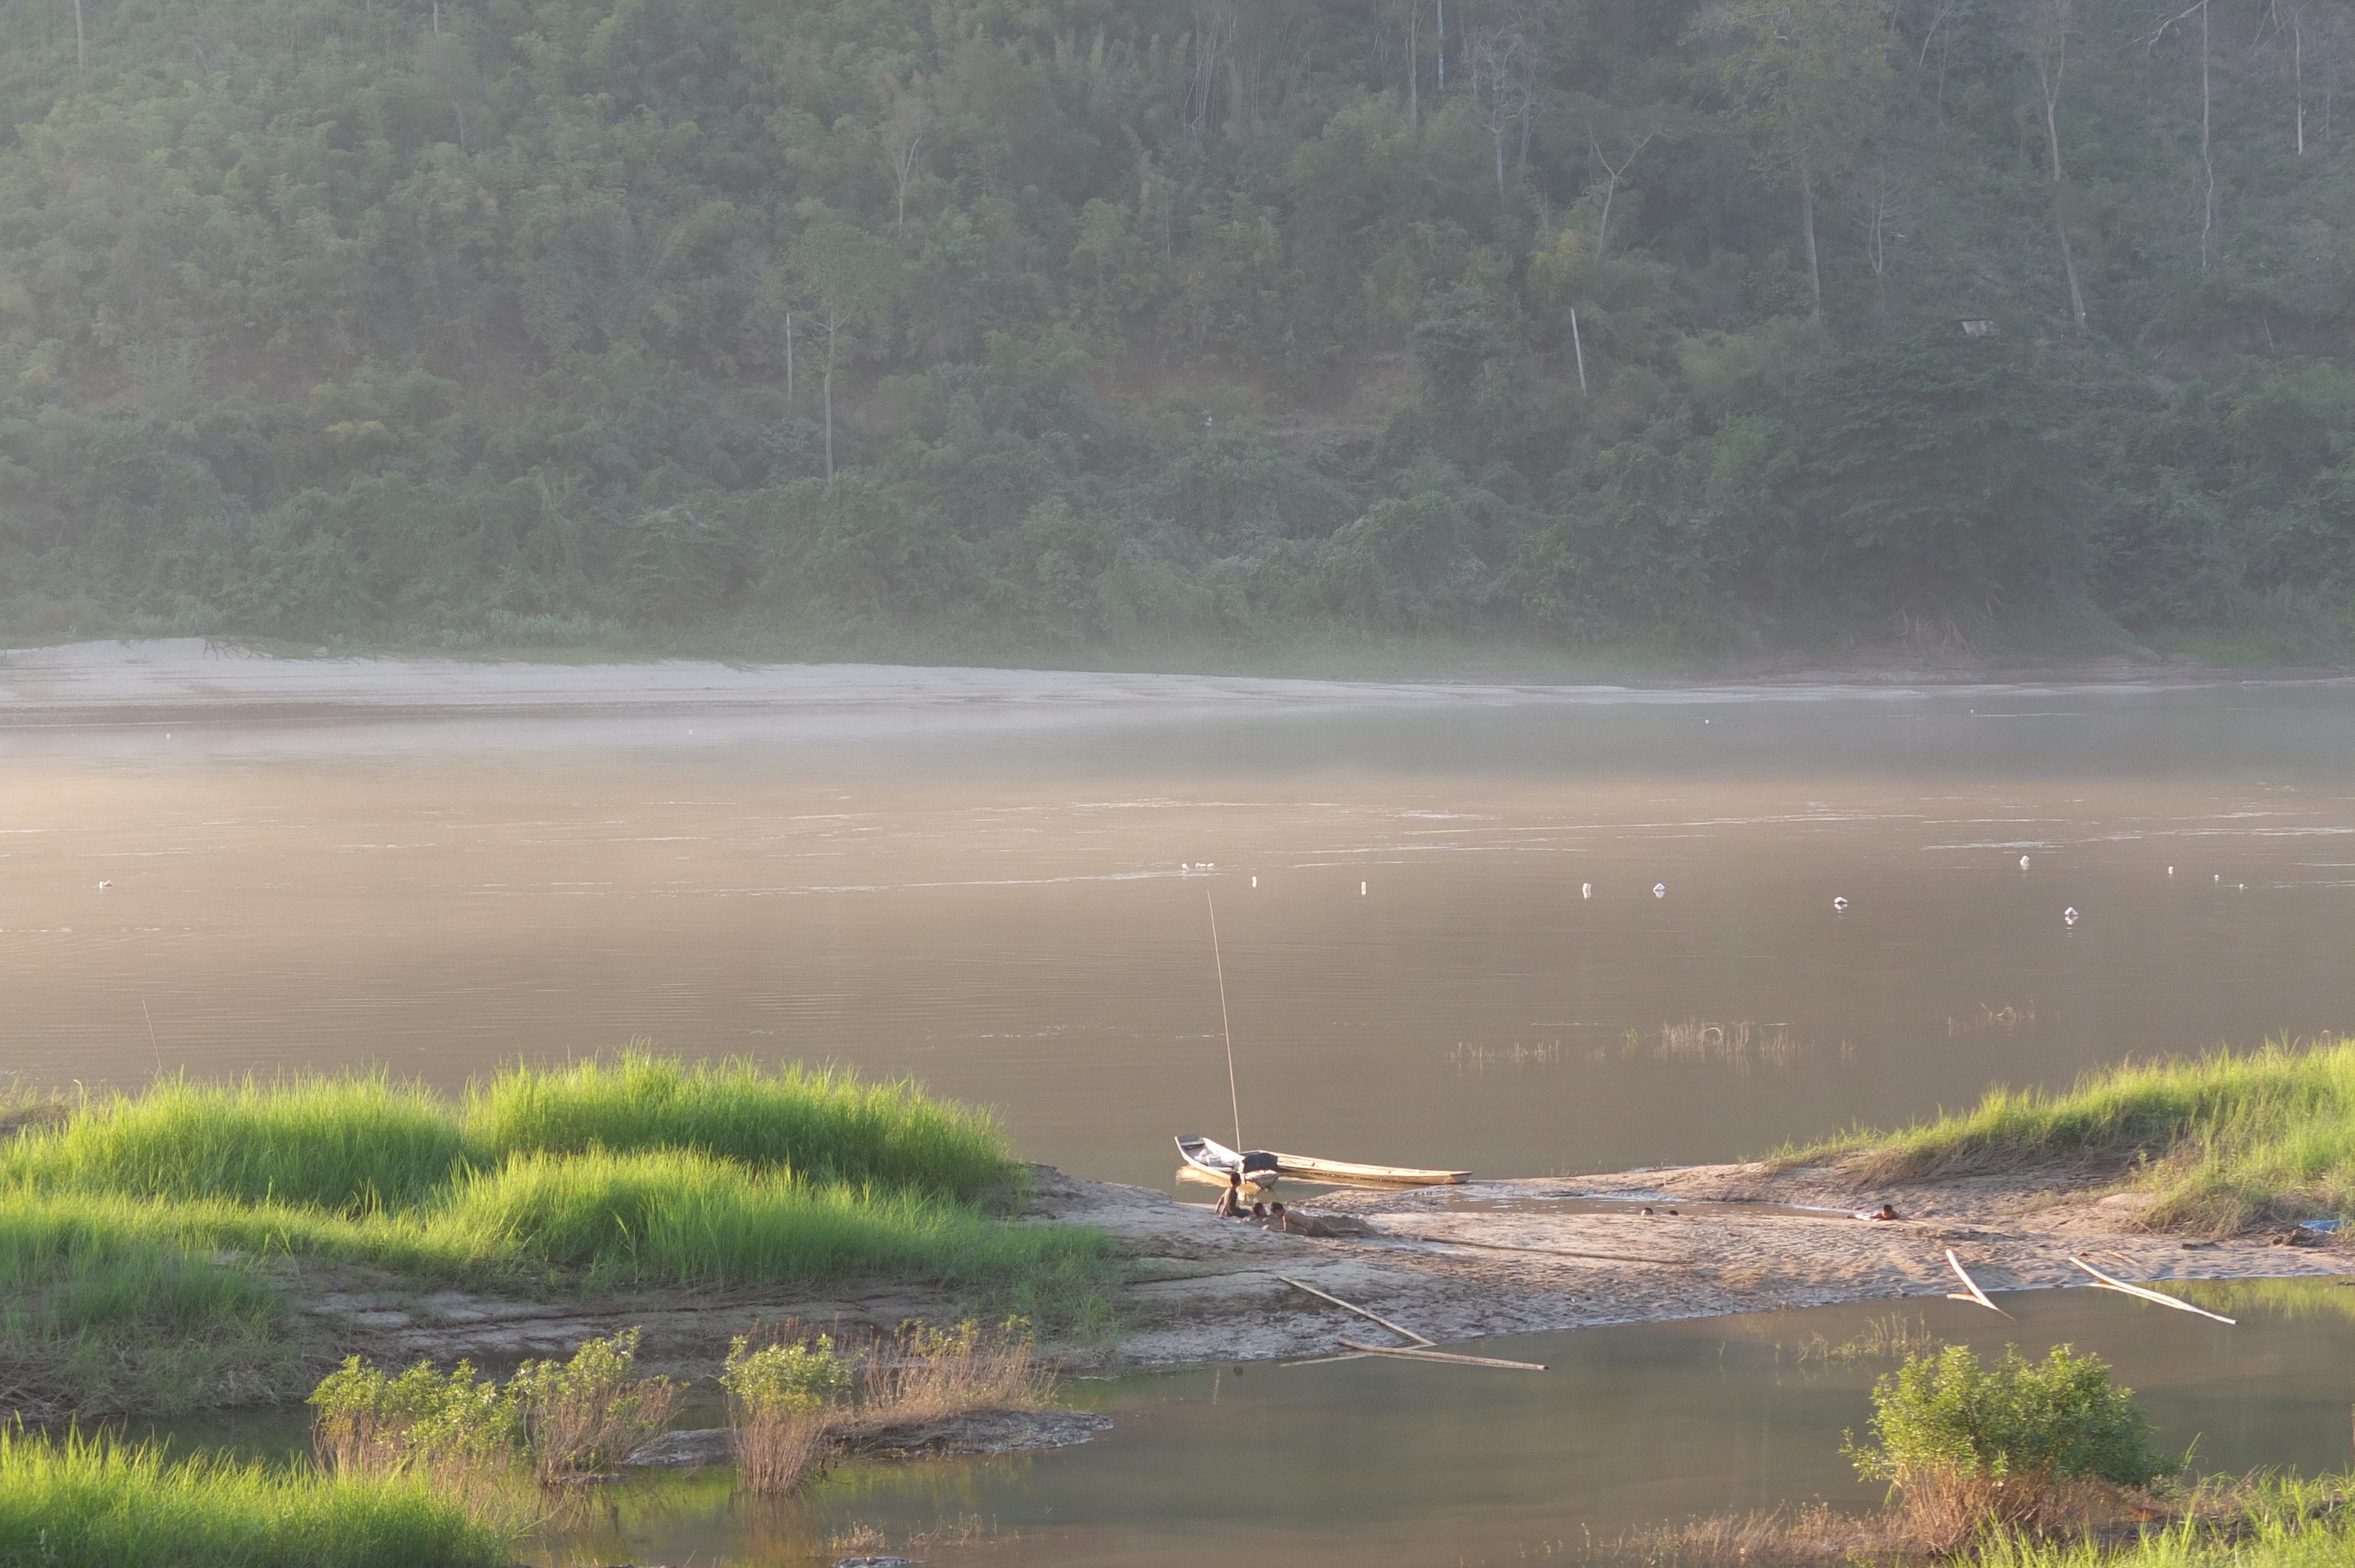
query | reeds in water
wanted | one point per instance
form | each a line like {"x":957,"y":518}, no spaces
{"x":1740,"y":1042}
{"x":794,"y":1396}
{"x":1470,"y":1057}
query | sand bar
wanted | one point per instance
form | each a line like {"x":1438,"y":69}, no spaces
{"x":186,"y":678}
{"x":1510,"y":1257}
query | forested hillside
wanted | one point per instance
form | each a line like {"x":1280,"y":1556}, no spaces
{"x":1051,"y":329}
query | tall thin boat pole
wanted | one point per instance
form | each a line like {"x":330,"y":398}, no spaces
{"x":1233,"y":1099}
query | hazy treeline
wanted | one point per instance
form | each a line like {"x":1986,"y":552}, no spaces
{"x":977,"y":326}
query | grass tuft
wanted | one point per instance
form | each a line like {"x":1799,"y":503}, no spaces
{"x":2220,"y":1142}
{"x":93,"y":1502}
{"x":819,"y":1122}
{"x":347,"y":1145}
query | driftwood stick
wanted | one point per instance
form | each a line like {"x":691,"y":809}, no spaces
{"x":1447,"y":1356}
{"x":1360,"y":1311}
{"x":1548,"y":1251}
{"x":2104,"y":1282}
{"x":1972,"y":1287}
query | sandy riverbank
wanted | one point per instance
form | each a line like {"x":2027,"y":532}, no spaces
{"x":1454,"y":1264}
{"x":190,"y":679}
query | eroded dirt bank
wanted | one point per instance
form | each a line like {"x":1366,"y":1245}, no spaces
{"x":1453,"y":1263}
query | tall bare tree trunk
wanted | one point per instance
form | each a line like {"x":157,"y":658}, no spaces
{"x":81,"y":43}
{"x":1413,"y":66}
{"x":2052,"y":74}
{"x":826,"y":384}
{"x":1807,"y":234}
{"x":2297,"y":70}
{"x":2206,"y":164}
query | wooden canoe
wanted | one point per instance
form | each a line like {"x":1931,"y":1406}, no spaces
{"x":1343,"y":1172}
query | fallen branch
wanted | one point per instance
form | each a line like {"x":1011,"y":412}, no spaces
{"x":1423,"y":1355}
{"x":1360,"y":1311}
{"x":2106,"y":1283}
{"x":1972,"y":1287}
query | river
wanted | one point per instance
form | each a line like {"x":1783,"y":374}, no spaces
{"x":1518,"y":935}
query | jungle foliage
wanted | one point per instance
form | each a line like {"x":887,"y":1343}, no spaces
{"x":1048,"y":329}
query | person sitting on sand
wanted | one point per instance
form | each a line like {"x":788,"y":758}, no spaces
{"x":1231,"y":1202}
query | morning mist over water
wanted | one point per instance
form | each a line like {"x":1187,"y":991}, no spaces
{"x":1002,"y":910}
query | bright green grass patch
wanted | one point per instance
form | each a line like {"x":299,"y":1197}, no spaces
{"x":343,"y":1144}
{"x":818,"y":1122}
{"x":140,"y":1237}
{"x":2279,"y":1522}
{"x":2220,"y":1142}
{"x":90,"y":1501}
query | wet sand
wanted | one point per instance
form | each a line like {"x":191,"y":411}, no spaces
{"x":1453,"y":1263}
{"x":1526,"y":1256}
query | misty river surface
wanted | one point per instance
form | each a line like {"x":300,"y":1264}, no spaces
{"x":1004,"y":914}
{"x":1018,"y":914}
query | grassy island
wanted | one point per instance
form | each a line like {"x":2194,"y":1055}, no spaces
{"x":150,"y":1243}
{"x":2220,"y":1142}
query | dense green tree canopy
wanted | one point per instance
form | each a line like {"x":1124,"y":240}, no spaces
{"x":976,"y":329}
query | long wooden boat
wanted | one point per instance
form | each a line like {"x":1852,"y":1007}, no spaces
{"x":1260,"y":1168}
{"x":1343,"y":1172}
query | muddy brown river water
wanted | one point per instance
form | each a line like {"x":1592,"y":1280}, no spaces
{"x":1018,"y":913}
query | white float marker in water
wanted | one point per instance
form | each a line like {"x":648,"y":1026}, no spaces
{"x":2170,"y":871}
{"x":1840,"y":903}
{"x":1255,"y":881}
{"x":1586,"y":890}
{"x":2069,"y":916}
{"x":2023,"y":862}
{"x":1659,"y":890}
{"x":1361,"y":890}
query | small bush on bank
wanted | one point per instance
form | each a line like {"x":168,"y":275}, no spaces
{"x":364,"y":1423}
{"x":792,"y":1397}
{"x":563,"y":1419}
{"x":2016,"y":1445}
{"x":778,"y":1397}
{"x":584,"y":1416}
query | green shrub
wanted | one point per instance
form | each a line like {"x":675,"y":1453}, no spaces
{"x":779,"y":1378}
{"x":1973,"y":1444}
{"x":584,"y":1416}
{"x":367,"y":1424}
